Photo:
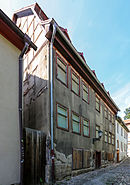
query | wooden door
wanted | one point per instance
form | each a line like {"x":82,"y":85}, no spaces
{"x":35,"y":157}
{"x":98,"y":160}
{"x":117,"y":155}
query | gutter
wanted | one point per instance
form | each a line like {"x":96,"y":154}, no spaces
{"x":51,"y":22}
{"x":51,"y":94}
{"x":28,"y":44}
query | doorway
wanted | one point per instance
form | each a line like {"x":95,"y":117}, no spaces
{"x":98,"y":160}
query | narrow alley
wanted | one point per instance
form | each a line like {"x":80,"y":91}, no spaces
{"x":116,"y":174}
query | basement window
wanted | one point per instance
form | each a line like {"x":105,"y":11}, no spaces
{"x":62,"y":117}
{"x":86,"y":129}
{"x":62,"y":69}
{"x":75,"y":123}
{"x":75,"y":83}
{"x":85,"y":92}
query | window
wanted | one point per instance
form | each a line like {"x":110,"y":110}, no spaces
{"x":62,"y":117}
{"x":106,"y":113}
{"x":113,"y":140}
{"x":109,"y":115}
{"x":75,"y":83}
{"x":121,"y":146}
{"x":117,"y":143}
{"x":75,"y":123}
{"x":85,"y":92}
{"x":86,"y":131}
{"x":106,"y":137}
{"x":117,"y":128}
{"x":121,"y":131}
{"x":97,"y":104}
{"x":97,"y":129}
{"x":62,"y":70}
{"x":109,"y":138}
{"x":112,"y":118}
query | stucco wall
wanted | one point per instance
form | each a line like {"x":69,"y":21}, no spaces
{"x":9,"y":124}
{"x":120,"y":138}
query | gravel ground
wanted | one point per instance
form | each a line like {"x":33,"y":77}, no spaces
{"x":116,"y":174}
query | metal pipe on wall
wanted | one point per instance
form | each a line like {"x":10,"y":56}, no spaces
{"x":51,"y":94}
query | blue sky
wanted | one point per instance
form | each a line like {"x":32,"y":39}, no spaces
{"x":101,"y":30}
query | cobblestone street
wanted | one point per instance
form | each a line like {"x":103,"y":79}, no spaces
{"x":116,"y":174}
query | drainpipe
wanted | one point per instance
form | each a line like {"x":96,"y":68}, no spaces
{"x":51,"y":81}
{"x":26,"y":46}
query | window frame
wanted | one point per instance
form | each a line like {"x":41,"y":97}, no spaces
{"x":72,"y":112}
{"x":106,"y":112}
{"x":88,"y":127}
{"x":110,"y":138}
{"x":65,"y":108}
{"x":66,"y":64}
{"x":86,"y":85}
{"x":113,"y":139}
{"x":97,"y":130}
{"x":96,"y":97}
{"x":78,"y":77}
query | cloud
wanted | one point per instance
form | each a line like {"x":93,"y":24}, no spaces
{"x":122,"y":98}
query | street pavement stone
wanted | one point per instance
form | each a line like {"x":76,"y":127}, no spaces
{"x":115,"y":174}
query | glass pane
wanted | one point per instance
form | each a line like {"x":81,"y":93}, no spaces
{"x":85,"y":88}
{"x":75,"y":87}
{"x":85,"y":95}
{"x":76,"y":127}
{"x":62,"y":111}
{"x":61,"y":64}
{"x":61,"y":75}
{"x":86,"y":131}
{"x":85,"y":122}
{"x":75,"y":78}
{"x":62,"y":122}
{"x":74,"y":117}
{"x":97,"y":106}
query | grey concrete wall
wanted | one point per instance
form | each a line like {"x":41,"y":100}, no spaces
{"x":65,"y":141}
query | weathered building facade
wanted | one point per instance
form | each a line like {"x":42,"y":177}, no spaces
{"x":64,"y":99}
{"x":127,"y":122}
{"x":11,"y":50}
{"x":121,"y":133}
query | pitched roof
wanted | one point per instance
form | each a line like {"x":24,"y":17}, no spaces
{"x":11,"y":32}
{"x":63,"y":43}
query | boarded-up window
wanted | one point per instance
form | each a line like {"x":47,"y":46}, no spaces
{"x":110,"y":156}
{"x":75,"y":83}
{"x":75,"y":122}
{"x":97,"y":104}
{"x":85,"y":92}
{"x":106,"y":137}
{"x":86,"y":159}
{"x":62,"y":117}
{"x":62,"y":71}
{"x":77,"y":159}
{"x":86,"y":131}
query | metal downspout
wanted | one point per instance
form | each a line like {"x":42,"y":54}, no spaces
{"x":51,"y":80}
{"x":26,"y":46}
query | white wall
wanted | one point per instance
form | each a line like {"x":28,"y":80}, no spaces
{"x":9,"y":124}
{"x":120,"y":138}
